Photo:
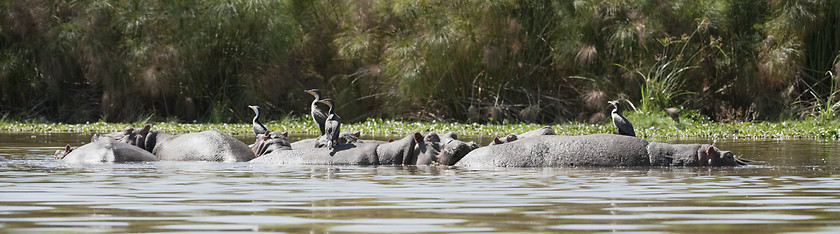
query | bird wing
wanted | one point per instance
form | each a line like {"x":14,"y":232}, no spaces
{"x":319,"y":116}
{"x":623,"y":125}
{"x":332,"y":126}
{"x":259,"y":128}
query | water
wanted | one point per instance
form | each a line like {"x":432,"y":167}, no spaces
{"x":794,"y":187}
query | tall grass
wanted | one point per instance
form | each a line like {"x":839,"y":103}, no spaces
{"x":512,"y":60}
{"x":663,"y":81}
{"x":825,"y":108}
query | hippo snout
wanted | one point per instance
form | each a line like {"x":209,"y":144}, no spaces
{"x":730,"y":159}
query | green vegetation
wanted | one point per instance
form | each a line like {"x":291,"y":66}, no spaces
{"x":511,"y":60}
{"x":648,"y":126}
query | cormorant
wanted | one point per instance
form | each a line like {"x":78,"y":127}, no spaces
{"x":259,"y":128}
{"x":622,"y":124}
{"x":318,"y":115}
{"x":332,"y":125}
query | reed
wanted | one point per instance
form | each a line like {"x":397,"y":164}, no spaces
{"x":511,"y":60}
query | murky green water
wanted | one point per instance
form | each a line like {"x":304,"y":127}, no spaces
{"x":794,"y":188}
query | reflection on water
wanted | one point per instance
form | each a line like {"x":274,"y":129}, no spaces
{"x":794,"y":188}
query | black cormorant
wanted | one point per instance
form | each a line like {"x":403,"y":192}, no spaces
{"x":332,"y":125}
{"x":622,"y":124}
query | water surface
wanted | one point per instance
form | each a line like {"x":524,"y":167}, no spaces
{"x":794,"y":187}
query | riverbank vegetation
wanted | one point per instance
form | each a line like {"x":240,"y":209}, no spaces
{"x":433,"y":61}
{"x":647,"y":126}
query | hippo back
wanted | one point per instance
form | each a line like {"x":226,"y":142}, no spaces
{"x":284,"y":157}
{"x":200,"y":146}
{"x":348,"y":154}
{"x":108,"y":151}
{"x":399,"y":152}
{"x":664,"y":154}
{"x":562,"y":151}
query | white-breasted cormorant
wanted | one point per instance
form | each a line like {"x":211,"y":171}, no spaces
{"x":259,"y":128}
{"x":622,"y":124}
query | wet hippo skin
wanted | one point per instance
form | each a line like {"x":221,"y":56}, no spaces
{"x":595,"y":150}
{"x":105,"y":151}
{"x":211,"y":146}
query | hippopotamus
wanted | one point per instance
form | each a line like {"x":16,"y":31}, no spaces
{"x":414,"y":149}
{"x":105,"y":150}
{"x":444,"y":149}
{"x":393,"y":153}
{"x":270,"y":142}
{"x":211,"y":145}
{"x":547,"y":130}
{"x":2,"y":159}
{"x":596,"y":150}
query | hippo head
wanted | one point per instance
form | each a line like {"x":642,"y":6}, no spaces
{"x":270,"y":142}
{"x":59,"y":154}
{"x":454,"y":150}
{"x":426,"y":148}
{"x":712,"y":156}
{"x":430,"y":149}
{"x":132,"y":136}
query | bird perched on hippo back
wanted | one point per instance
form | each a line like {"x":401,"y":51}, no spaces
{"x":622,"y":124}
{"x":332,"y":125}
{"x":318,"y":115}
{"x":259,"y":128}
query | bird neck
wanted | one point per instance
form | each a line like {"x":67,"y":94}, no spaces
{"x":257,"y":115}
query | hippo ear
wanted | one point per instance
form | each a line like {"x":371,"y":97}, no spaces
{"x":357,"y":134}
{"x":145,"y":130}
{"x":710,"y":151}
{"x":511,"y":137}
{"x":497,"y":141}
{"x":418,"y":138}
{"x":67,"y":148}
{"x":285,"y":134}
{"x":390,"y":140}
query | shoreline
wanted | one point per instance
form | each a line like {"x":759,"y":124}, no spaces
{"x":646,"y":127}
